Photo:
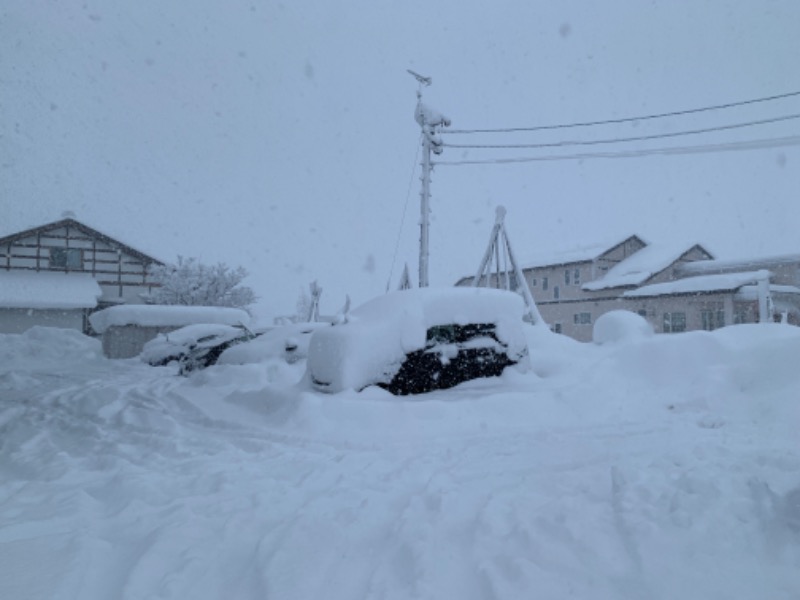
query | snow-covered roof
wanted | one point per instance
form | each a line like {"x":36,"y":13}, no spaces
{"x":712,"y":266}
{"x":47,"y":290}
{"x":639,"y":267}
{"x":70,"y":221}
{"x":581,"y":253}
{"x":750,"y":292}
{"x":153,"y":315}
{"x":698,"y":285}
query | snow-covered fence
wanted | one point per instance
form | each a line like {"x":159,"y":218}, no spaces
{"x":126,"y":329}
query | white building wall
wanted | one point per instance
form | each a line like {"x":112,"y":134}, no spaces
{"x":19,"y":320}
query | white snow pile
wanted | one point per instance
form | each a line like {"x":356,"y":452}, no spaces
{"x":620,"y":325}
{"x":378,"y":335}
{"x":287,"y":342}
{"x":40,"y":347}
{"x":156,"y":315}
{"x":654,"y":467}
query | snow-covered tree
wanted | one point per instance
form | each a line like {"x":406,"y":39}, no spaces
{"x":191,"y":283}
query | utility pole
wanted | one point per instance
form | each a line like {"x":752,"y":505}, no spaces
{"x":430,"y":121}
{"x":425,"y":210}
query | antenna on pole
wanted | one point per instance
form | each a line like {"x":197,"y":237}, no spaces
{"x":430,"y":121}
{"x":421,"y":78}
{"x":507,"y":274}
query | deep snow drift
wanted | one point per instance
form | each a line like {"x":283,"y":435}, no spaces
{"x":646,"y":467}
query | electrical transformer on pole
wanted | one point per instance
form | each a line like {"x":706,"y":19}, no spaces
{"x":430,"y":121}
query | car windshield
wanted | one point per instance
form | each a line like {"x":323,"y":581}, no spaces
{"x":456,"y":334}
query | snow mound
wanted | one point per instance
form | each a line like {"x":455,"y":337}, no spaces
{"x":620,"y":326}
{"x":665,"y":468}
{"x":288,"y":343}
{"x":38,"y":346}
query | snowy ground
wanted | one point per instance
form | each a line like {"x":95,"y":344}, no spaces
{"x":656,"y":468}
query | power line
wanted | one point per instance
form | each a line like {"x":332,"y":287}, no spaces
{"x":676,"y":150}
{"x":628,"y":139}
{"x":628,"y":119}
{"x":403,"y":218}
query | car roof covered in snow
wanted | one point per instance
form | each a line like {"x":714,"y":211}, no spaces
{"x":381,"y":332}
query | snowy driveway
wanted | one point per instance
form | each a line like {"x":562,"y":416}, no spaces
{"x":668,"y":468}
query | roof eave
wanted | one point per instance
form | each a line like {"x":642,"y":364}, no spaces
{"x":10,"y":239}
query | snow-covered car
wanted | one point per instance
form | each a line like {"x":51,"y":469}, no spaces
{"x":415,"y":341}
{"x":194,"y":346}
{"x":286,"y":342}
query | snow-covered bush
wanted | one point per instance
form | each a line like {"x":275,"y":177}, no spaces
{"x":619,"y":326}
{"x":191,"y":283}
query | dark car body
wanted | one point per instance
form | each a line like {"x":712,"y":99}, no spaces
{"x":453,"y":354}
{"x":194,"y":347}
{"x":416,"y":341}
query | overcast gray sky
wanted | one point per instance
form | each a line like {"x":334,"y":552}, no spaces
{"x":280,"y":136}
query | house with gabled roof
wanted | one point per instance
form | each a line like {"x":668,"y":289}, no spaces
{"x":675,"y":287}
{"x":58,"y":273}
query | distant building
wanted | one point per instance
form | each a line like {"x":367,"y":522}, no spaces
{"x":58,"y":273}
{"x":676,"y":288}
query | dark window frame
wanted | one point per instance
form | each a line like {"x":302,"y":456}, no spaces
{"x":69,"y":259}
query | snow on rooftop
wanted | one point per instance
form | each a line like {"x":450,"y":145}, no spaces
{"x":579,"y":253}
{"x":47,"y":290}
{"x":711,"y":266}
{"x":153,"y":315}
{"x":639,"y":267}
{"x":6,"y":231}
{"x":699,"y":284}
{"x":750,"y":292}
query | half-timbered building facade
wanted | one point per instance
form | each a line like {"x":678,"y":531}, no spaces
{"x":58,"y":273}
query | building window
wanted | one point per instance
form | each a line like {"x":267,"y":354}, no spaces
{"x":556,"y":328}
{"x":642,"y":313}
{"x":566,"y":276}
{"x":712,"y":319}
{"x":740,"y":316}
{"x":66,"y":258}
{"x":533,"y":282}
{"x":674,"y":322}
{"x":582,"y":318}
{"x":544,"y":283}
{"x":576,"y":277}
{"x":556,"y":292}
